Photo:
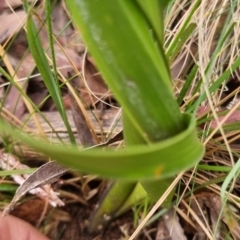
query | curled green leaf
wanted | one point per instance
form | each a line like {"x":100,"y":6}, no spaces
{"x":158,"y":160}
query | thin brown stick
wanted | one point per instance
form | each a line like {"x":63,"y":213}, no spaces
{"x":84,"y":134}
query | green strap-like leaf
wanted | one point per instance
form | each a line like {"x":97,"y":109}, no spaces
{"x":136,"y":69}
{"x":154,"y":14}
{"x":162,"y":159}
{"x":133,"y":65}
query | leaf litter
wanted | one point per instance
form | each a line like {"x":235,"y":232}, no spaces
{"x":37,"y":183}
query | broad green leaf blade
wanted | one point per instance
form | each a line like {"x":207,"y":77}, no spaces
{"x":135,"y":68}
{"x":155,"y":188}
{"x":154,"y":161}
{"x":154,"y":14}
{"x":165,"y":2}
{"x":38,"y":53}
{"x":131,"y":135}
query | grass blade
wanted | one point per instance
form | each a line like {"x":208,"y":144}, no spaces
{"x":45,"y":70}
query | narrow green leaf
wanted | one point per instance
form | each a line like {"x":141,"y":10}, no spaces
{"x":226,"y":32}
{"x":233,"y":174}
{"x":187,"y":84}
{"x":8,"y":188}
{"x":45,"y":70}
{"x":17,"y":172}
{"x":180,"y":33}
{"x":181,"y":41}
{"x":224,"y":76}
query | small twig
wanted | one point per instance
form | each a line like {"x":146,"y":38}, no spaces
{"x":84,"y":134}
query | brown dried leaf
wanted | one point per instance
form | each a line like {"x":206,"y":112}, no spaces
{"x":31,"y":210}
{"x":234,"y":117}
{"x":94,"y":82}
{"x":116,"y":138}
{"x":46,"y":174}
{"x":60,"y":23}
{"x":13,"y":22}
{"x":1,"y":5}
{"x":14,"y":102}
{"x":162,"y":231}
{"x":209,"y":209}
{"x":37,"y":92}
{"x":183,"y":61}
{"x":171,"y":228}
{"x":12,"y":3}
{"x":67,"y":61}
{"x":80,"y":121}
{"x":227,"y":215}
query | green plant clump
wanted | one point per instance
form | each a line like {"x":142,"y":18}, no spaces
{"x":126,"y":41}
